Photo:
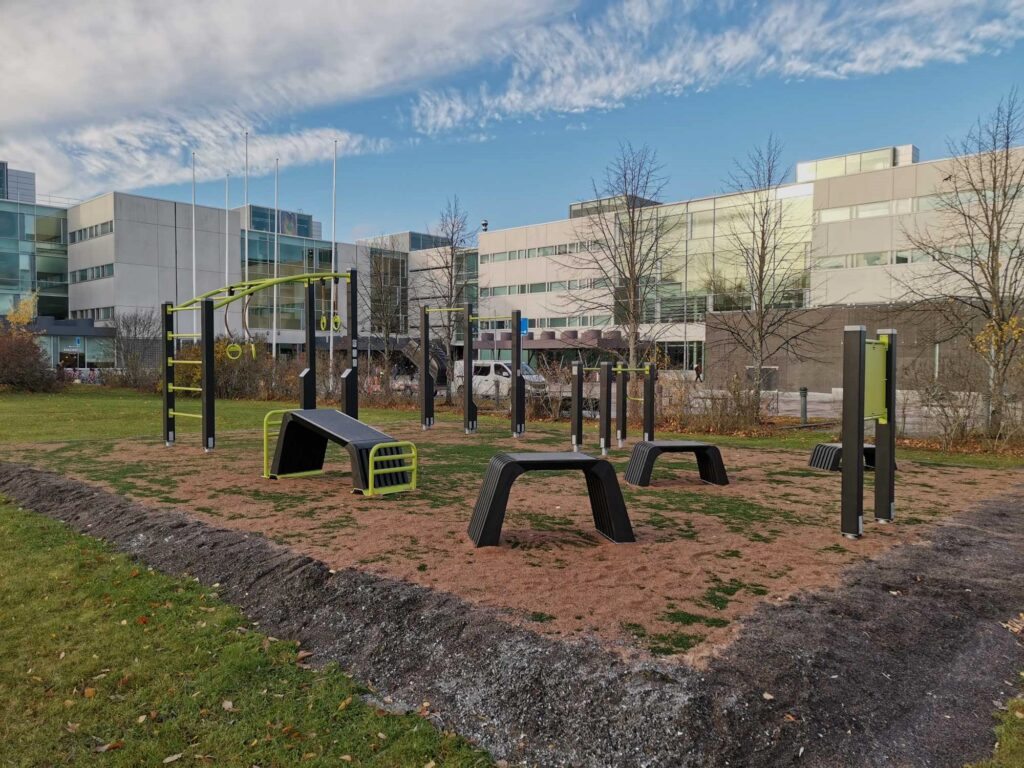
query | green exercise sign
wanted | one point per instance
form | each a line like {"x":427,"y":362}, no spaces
{"x":875,"y":355}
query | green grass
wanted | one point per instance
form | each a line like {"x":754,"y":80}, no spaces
{"x":101,"y":654}
{"x":1009,"y":752}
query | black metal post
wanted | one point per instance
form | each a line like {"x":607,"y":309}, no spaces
{"x":168,"y":373}
{"x":426,"y":379}
{"x":307,"y":379}
{"x":621,"y":405}
{"x":350,"y":378}
{"x":518,"y":382}
{"x":885,"y":439}
{"x":209,"y":377}
{"x":803,"y":405}
{"x":605,"y":408}
{"x":650,"y":390}
{"x":468,"y":405}
{"x":576,"y":406}
{"x":852,"y":517}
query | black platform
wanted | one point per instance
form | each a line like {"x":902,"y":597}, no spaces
{"x":709,"y":460}
{"x":302,"y":445}
{"x":606,"y":503}
{"x":830,"y":456}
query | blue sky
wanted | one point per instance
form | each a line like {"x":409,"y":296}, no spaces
{"x":513,"y":105}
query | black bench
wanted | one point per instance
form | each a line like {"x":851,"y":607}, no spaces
{"x":830,"y":456}
{"x":302,"y":446}
{"x":606,"y":503}
{"x":709,"y":460}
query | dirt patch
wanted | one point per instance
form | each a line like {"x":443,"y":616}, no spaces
{"x":705,"y":556}
{"x":898,"y":665}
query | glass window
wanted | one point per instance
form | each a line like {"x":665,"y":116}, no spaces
{"x":558,"y":322}
{"x":538,"y":287}
{"x":558,"y":285}
{"x":547,"y":250}
{"x":702,"y":224}
{"x":830,"y":262}
{"x":877,"y":160}
{"x":485,"y":258}
{"x":902,"y":206}
{"x":531,"y":253}
{"x":499,"y":290}
{"x":827,"y":169}
{"x":9,"y":224}
{"x":909,"y":256}
{"x":873,"y":259}
{"x":873,"y":210}
{"x":853,"y":163}
{"x":830,"y":215}
{"x":499,"y":257}
{"x":481,"y":370}
{"x":562,"y":249}
{"x":928,"y":203}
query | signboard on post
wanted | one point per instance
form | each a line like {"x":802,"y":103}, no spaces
{"x":524,"y":325}
{"x":875,"y":352}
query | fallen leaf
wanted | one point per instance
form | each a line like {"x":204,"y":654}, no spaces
{"x":303,"y":655}
{"x":228,"y":706}
{"x":431,"y":764}
{"x":172,"y":758}
{"x":345,"y":703}
{"x":789,"y":718}
{"x":767,"y":696}
{"x":140,"y":719}
{"x":109,"y":747}
{"x":346,"y":758}
{"x":71,"y":727}
{"x":89,"y":693}
{"x":381,"y":735}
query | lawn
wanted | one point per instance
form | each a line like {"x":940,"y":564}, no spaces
{"x":101,"y":655}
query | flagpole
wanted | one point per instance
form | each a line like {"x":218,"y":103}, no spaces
{"x":277,"y":226}
{"x":334,"y":265}
{"x":195,"y":322}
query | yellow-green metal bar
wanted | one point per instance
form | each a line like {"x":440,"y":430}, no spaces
{"x":496,"y":317}
{"x":178,"y":388}
{"x":173,"y":361}
{"x":645,"y":369}
{"x":247,"y":287}
{"x":408,"y":455}
{"x":171,"y":336}
{"x":266,"y":439}
{"x":271,"y":282}
{"x":186,"y":415}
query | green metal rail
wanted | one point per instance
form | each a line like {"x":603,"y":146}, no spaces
{"x":409,"y":464}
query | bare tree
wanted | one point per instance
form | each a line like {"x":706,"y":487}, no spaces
{"x":386,"y":293}
{"x":137,"y":339}
{"x":620,"y":257}
{"x":760,"y":275}
{"x":444,"y":277}
{"x":975,"y":248}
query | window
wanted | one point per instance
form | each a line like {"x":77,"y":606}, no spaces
{"x":877,"y":160}
{"x":873,"y":259}
{"x":547,"y":250}
{"x":502,"y":370}
{"x":558,"y":322}
{"x":558,"y":285}
{"x":910,"y":256}
{"x":903,"y":206}
{"x":831,"y":215}
{"x":873,"y":210}
{"x":499,"y":257}
{"x":485,"y":258}
{"x":499,"y":290}
{"x":830,"y":262}
{"x":80,"y":235}
{"x":481,"y":370}
{"x":531,"y":253}
{"x":562,"y":249}
{"x":538,"y":287}
{"x":485,"y":292}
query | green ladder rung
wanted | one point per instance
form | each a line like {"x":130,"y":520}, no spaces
{"x":185,"y":415}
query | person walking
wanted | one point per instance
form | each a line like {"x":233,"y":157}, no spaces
{"x":698,"y":371}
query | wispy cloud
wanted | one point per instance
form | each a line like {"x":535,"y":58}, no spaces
{"x":120,"y":93}
{"x":638,"y":47}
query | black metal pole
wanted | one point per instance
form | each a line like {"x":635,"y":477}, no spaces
{"x":209,"y":385}
{"x":350,"y":378}
{"x":168,"y":373}
{"x":576,"y":406}
{"x":605,"y":408}
{"x":307,"y":379}
{"x":468,"y":405}
{"x":650,"y":390}
{"x":852,"y":517}
{"x":885,"y":438}
{"x":518,"y":382}
{"x":426,"y":379}
{"x":621,"y":405}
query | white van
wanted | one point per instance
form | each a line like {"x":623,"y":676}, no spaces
{"x":495,"y":376}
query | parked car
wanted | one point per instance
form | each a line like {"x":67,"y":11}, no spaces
{"x":494,"y":378}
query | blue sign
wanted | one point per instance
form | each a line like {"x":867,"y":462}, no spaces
{"x":78,"y":341}
{"x":523,"y":325}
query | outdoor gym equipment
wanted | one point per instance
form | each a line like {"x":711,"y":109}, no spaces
{"x":606,"y":371}
{"x":469,"y":410}
{"x":606,"y":503}
{"x":380,"y":464}
{"x":210,"y":301}
{"x":830,"y":456}
{"x":869,"y":392}
{"x":710,"y":466}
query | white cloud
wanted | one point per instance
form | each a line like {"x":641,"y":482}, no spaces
{"x":125,"y":89}
{"x":638,"y":47}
